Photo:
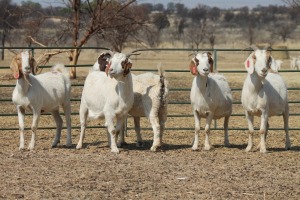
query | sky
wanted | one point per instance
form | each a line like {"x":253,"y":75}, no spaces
{"x":188,"y":3}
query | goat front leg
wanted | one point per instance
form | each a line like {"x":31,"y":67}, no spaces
{"x":226,"y":139}
{"x":59,"y":122}
{"x":207,"y":145}
{"x":263,"y":131}
{"x":251,"y":131}
{"x":197,"y":130}
{"x":137,"y":128}
{"x":35,"y":121}
{"x":21,"y":117}
{"x":113,"y":134}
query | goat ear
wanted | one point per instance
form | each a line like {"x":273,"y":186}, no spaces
{"x":193,"y":68}
{"x":210,"y":61}
{"x":14,"y":66}
{"x":249,"y":64}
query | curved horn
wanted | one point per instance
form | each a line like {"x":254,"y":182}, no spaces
{"x":13,"y":51}
{"x":130,"y":54}
{"x":193,"y":54}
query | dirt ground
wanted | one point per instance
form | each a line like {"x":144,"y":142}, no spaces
{"x":174,"y":172}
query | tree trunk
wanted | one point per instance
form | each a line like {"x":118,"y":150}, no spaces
{"x":73,"y":63}
{"x":3,"y":43}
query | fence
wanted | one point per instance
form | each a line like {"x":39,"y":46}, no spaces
{"x":178,"y":71}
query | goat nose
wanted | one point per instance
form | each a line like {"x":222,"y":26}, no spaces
{"x":27,"y":68}
{"x":205,"y":69}
{"x":264,"y":70}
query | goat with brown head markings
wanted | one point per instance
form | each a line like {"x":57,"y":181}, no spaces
{"x":210,"y":98}
{"x":264,"y":94}
{"x":44,"y":92}
{"x":108,"y":95}
{"x":23,"y":63}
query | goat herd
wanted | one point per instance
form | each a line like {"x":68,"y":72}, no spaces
{"x":112,"y":92}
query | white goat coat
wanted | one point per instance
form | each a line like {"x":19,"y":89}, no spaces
{"x":269,"y":94}
{"x":264,"y":94}
{"x":115,"y":101}
{"x":47,"y":91}
{"x":211,"y":94}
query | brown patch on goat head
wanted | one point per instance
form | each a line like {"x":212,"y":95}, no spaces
{"x":269,"y":59}
{"x":211,"y":62}
{"x":33,"y":64}
{"x":103,"y":61}
{"x":16,"y":66}
{"x":126,"y":65}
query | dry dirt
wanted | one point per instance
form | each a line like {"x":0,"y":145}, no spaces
{"x":174,"y":172}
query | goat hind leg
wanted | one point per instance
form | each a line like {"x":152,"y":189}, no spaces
{"x":226,"y":139}
{"x":156,"y":133}
{"x":137,"y":128}
{"x":59,"y":122}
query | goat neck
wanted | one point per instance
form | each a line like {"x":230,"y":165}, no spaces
{"x":125,"y":91}
{"x":201,"y":82}
{"x":255,"y":82}
{"x":23,"y":84}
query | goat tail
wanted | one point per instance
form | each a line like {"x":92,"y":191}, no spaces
{"x":63,"y":70}
{"x":163,"y":92}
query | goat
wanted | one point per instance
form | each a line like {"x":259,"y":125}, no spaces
{"x":108,"y":97}
{"x":295,"y":63}
{"x":41,"y":93}
{"x":150,"y":100}
{"x":210,"y":97}
{"x":264,"y":94}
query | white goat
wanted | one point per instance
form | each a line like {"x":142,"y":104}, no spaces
{"x":210,"y":97}
{"x":150,"y":100}
{"x":41,"y":93}
{"x":108,"y":97}
{"x":264,"y":94}
{"x":295,"y":63}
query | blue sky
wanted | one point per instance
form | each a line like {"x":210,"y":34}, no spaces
{"x":188,"y":3}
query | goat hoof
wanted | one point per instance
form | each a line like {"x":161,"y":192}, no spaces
{"x":207,"y":148}
{"x":116,"y":150}
{"x":195,"y":148}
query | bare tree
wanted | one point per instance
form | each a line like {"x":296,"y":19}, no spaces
{"x":100,"y":16}
{"x":8,"y":20}
{"x":293,"y":3}
{"x":196,"y":33}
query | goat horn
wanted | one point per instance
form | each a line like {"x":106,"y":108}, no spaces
{"x":193,"y":54}
{"x":13,"y":51}
{"x":253,"y":47}
{"x":130,"y":54}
